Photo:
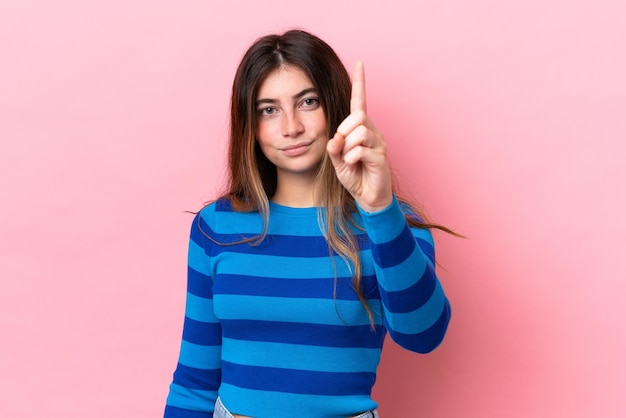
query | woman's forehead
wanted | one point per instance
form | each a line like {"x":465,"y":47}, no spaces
{"x":284,"y":81}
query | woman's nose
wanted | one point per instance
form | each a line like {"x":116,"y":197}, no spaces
{"x":292,"y":125}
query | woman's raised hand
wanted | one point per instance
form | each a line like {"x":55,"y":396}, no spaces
{"x":359,"y":153}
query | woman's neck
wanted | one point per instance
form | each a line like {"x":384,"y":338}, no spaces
{"x":295,"y":191}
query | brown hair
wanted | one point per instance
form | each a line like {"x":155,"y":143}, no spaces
{"x":252,"y":177}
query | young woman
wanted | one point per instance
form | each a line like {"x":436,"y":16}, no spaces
{"x":301,"y":268}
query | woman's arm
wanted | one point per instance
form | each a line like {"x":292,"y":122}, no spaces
{"x":416,"y":310}
{"x":197,"y":377}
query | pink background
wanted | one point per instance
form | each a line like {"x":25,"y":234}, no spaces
{"x":507,"y":122}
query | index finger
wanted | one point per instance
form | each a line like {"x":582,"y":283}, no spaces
{"x":357,"y":100}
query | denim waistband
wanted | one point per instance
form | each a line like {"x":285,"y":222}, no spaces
{"x":222,"y":412}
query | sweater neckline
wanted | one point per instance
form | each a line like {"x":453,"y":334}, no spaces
{"x":278,"y":209}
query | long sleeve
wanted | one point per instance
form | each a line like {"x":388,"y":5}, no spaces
{"x":197,"y":377}
{"x":416,"y":310}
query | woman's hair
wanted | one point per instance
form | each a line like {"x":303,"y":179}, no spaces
{"x":252,"y":177}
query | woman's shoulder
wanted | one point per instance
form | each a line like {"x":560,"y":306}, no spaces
{"x":221,"y":204}
{"x":223,"y":216}
{"x":211,"y":211}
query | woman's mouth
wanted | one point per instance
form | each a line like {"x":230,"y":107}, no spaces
{"x":297,"y":149}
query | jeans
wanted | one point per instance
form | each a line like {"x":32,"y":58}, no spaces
{"x":222,"y":412}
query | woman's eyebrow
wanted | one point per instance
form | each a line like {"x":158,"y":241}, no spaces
{"x":304,"y":93}
{"x":295,"y":96}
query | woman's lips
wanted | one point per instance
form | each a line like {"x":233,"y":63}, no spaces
{"x":297,"y":149}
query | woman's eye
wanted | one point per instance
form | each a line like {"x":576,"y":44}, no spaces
{"x":267,"y":111}
{"x":310,"y":102}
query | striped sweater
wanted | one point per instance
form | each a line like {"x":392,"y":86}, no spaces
{"x":277,"y":330}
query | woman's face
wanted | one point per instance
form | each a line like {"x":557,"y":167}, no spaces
{"x":291,"y":122}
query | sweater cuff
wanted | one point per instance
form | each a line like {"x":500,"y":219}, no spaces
{"x":384,"y":225}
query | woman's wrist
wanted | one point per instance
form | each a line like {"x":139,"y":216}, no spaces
{"x":376,"y":206}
